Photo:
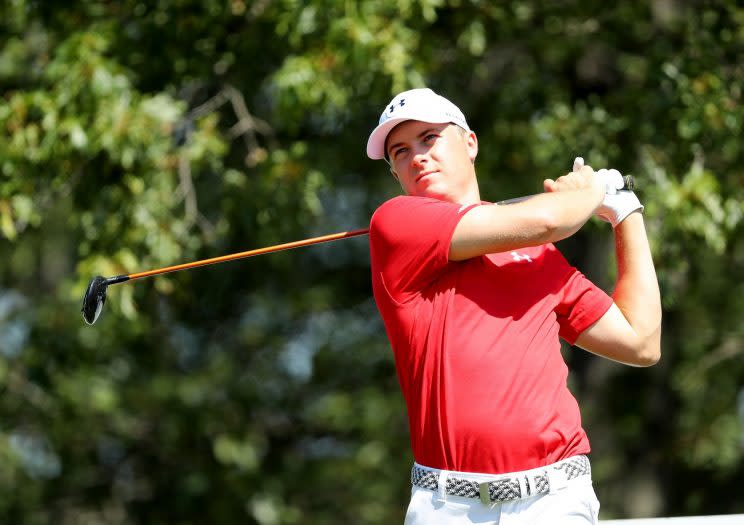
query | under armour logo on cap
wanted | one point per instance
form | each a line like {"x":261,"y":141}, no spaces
{"x":401,"y":103}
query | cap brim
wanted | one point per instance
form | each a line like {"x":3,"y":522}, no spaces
{"x":376,"y":142}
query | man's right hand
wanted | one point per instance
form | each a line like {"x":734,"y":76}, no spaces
{"x":583,"y":178}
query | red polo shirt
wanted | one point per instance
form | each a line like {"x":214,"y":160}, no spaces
{"x":476,"y":342}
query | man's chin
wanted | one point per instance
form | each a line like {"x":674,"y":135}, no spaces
{"x":434,"y":193}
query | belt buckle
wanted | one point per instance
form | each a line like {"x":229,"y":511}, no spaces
{"x":485,"y":496}
{"x":557,"y":479}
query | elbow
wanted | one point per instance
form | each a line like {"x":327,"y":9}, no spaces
{"x":648,"y":352}
{"x":648,"y":357}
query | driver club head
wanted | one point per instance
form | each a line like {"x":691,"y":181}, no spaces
{"x":94,"y":298}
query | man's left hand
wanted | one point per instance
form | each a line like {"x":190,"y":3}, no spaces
{"x":617,"y":204}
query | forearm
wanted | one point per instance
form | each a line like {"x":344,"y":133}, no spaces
{"x":544,"y":218}
{"x":565,"y":212}
{"x":637,"y":290}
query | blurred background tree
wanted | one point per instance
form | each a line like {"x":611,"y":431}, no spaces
{"x":140,"y":134}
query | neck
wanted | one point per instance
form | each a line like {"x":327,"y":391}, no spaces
{"x":470,"y":197}
{"x":470,"y":194}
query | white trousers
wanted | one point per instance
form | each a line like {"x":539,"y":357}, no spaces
{"x":574,"y":504}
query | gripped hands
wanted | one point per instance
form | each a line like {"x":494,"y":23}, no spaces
{"x":583,"y":178}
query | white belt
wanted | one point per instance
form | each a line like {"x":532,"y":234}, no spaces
{"x":509,"y":487}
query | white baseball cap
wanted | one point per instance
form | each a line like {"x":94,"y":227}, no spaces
{"x":416,"y":104}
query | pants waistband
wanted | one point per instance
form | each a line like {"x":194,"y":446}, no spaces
{"x":503,"y":487}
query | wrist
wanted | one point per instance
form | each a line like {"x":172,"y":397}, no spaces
{"x":615,"y":208}
{"x":632,"y":220}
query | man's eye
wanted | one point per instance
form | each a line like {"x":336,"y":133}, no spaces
{"x":398,"y":151}
{"x":430,"y":137}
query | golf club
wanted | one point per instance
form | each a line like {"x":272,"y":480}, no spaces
{"x":95,"y":294}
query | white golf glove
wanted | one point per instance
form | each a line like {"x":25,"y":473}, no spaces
{"x":618,"y":203}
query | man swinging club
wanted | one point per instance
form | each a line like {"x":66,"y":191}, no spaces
{"x":475,"y":297}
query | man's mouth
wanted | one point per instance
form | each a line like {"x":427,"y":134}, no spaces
{"x":424,"y":174}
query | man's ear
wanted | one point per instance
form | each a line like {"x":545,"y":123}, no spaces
{"x":471,"y":141}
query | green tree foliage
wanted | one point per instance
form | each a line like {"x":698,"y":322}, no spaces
{"x":138,"y":134}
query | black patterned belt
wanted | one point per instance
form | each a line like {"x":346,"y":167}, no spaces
{"x":509,"y":487}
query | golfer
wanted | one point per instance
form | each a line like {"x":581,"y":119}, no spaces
{"x":475,"y":298}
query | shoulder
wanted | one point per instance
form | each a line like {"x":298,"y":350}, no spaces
{"x":385,"y":214}
{"x":391,"y":205}
{"x":404,"y":208}
{"x":408,"y":201}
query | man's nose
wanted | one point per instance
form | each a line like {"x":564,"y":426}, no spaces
{"x":420,"y":159}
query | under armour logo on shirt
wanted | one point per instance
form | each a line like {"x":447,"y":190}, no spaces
{"x":401,"y":103}
{"x":520,"y":257}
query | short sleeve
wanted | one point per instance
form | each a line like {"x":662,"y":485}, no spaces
{"x":410,"y":241}
{"x":582,"y":304}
